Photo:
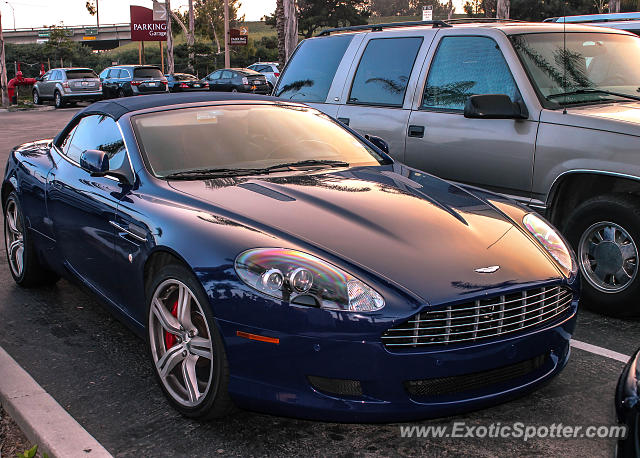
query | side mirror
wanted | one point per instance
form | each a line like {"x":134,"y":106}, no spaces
{"x":493,"y":106}
{"x":380,"y":143}
{"x":95,"y":162}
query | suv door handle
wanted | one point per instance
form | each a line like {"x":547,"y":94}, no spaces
{"x":416,"y":131}
{"x":344,"y":121}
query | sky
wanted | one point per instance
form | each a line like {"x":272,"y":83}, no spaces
{"x":38,"y":13}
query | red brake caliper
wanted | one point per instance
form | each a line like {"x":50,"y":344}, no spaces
{"x":170,"y":339}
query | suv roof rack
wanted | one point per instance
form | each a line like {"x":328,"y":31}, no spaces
{"x":463,"y":20}
{"x":380,"y":27}
{"x":434,"y":24}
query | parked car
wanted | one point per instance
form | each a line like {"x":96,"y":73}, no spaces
{"x":269,"y":70}
{"x":184,"y":82}
{"x":621,"y":21}
{"x":628,"y":408}
{"x":490,"y":104}
{"x":262,"y":248}
{"x":65,"y":85}
{"x":237,"y":80}
{"x":128,"y":80}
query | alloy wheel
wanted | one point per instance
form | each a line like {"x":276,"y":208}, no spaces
{"x":36,"y":98}
{"x":58,"y":100}
{"x":608,"y":257}
{"x":14,"y":238}
{"x":181,"y":344}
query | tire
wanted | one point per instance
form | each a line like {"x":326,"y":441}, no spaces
{"x":121,"y":93}
{"x":36,"y":98}
{"x":24,"y":265}
{"x":234,"y":90}
{"x":605,"y":233}
{"x":58,"y":100}
{"x":270,"y":87}
{"x":172,"y":353}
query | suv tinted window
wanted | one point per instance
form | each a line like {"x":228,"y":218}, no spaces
{"x":80,"y":74}
{"x":466,"y":66}
{"x":96,"y":132}
{"x":384,"y":71}
{"x":147,"y":72}
{"x":227,"y":75}
{"x":104,"y":73}
{"x":311,"y":69}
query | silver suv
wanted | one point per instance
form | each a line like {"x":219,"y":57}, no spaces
{"x":269,"y":70}
{"x":547,"y":118}
{"x":63,"y":85}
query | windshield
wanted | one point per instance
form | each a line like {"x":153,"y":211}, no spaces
{"x":80,"y":74}
{"x":147,"y":72}
{"x":594,"y":62}
{"x":244,"y":137}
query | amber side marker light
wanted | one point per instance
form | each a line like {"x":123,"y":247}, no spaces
{"x":246,"y":335}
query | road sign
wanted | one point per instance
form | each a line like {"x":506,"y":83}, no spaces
{"x":427,"y":13}
{"x":144,"y":27}
{"x":159,"y":11}
{"x":239,"y":37}
{"x":91,"y":31}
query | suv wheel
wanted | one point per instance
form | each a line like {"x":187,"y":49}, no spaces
{"x":36,"y":98}
{"x":58,"y":100}
{"x":605,"y":232}
{"x":121,"y":93}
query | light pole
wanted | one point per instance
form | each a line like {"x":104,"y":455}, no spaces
{"x":14,"y":14}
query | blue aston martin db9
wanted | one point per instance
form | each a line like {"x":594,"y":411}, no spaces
{"x":275,"y":260}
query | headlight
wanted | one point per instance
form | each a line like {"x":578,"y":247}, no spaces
{"x":300,"y":278}
{"x":552,"y":241}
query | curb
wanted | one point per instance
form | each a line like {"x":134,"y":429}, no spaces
{"x":41,"y":418}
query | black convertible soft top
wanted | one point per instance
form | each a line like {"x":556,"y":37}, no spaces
{"x":116,"y":108}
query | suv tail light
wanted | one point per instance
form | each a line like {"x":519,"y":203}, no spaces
{"x":65,"y":84}
{"x":277,"y":74}
{"x":184,"y":85}
{"x":245,"y":80}
{"x":136,"y":83}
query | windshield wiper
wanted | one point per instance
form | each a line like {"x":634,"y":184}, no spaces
{"x":593,"y":91}
{"x":227,"y":172}
{"x":210,"y":173}
{"x":306,"y":163}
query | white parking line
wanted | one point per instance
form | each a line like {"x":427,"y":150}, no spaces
{"x":600,"y":351}
{"x":41,"y":418}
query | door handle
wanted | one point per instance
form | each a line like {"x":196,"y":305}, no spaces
{"x":344,"y":121}
{"x":416,"y":131}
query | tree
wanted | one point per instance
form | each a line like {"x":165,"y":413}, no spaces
{"x":209,"y":18}
{"x":502,"y":9}
{"x":59,"y":45}
{"x":317,"y":14}
{"x":441,"y":9}
{"x":189,"y":32}
{"x":170,"y":61}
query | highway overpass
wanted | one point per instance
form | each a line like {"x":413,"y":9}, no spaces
{"x":107,"y":36}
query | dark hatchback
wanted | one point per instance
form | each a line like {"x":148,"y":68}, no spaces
{"x":238,"y":80}
{"x":185,"y":82}
{"x":128,"y":80}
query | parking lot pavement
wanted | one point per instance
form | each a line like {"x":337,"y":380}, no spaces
{"x":98,"y":370}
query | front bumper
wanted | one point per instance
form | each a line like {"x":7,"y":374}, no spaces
{"x":628,"y":408}
{"x":275,"y":377}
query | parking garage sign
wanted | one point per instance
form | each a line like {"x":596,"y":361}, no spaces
{"x":144,"y":28}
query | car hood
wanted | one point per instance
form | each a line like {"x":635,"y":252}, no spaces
{"x":620,"y":117}
{"x":423,"y":234}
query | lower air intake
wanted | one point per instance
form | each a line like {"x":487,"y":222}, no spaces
{"x":336,"y":385}
{"x":470,"y":382}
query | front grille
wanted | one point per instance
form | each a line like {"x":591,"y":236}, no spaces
{"x":476,"y":381}
{"x":481,"y":319}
